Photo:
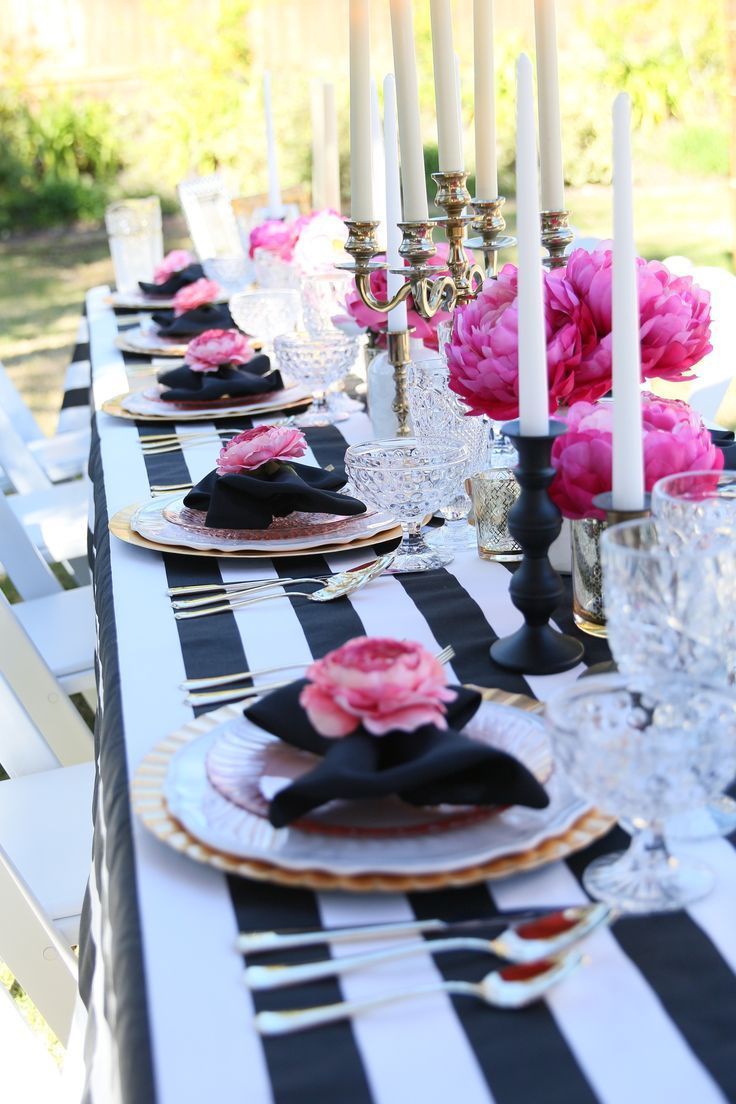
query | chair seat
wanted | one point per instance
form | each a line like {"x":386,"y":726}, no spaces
{"x":63,"y":456}
{"x":55,"y":519}
{"x":62,"y":627}
{"x":46,"y":830}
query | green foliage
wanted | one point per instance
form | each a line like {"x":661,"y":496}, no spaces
{"x":700,"y":150}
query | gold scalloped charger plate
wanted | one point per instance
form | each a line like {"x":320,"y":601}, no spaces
{"x":120,"y":527}
{"x":149,"y":804}
{"x":114,"y":407}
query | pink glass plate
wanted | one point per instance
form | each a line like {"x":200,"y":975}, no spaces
{"x":153,"y":394}
{"x":247,"y":766}
{"x":294,"y":526}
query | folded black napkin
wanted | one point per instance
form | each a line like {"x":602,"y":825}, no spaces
{"x":725,"y":440}
{"x":230,"y":380}
{"x":430,"y":766}
{"x":252,"y":499}
{"x":175,"y":282}
{"x":214,"y":316}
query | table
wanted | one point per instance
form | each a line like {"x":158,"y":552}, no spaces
{"x":651,"y":1019}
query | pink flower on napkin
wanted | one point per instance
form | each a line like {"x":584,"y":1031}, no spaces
{"x":675,"y":440}
{"x":173,"y":262}
{"x":254,"y":447}
{"x":379,"y":683}
{"x":198,"y":294}
{"x":210,"y":350}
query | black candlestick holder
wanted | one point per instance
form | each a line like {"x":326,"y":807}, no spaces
{"x":536,"y":588}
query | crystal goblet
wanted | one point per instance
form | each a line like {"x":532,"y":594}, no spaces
{"x":272,"y":271}
{"x":323,"y":298}
{"x":317,"y":361}
{"x":409,"y":479}
{"x":439,"y":415}
{"x":644,"y":748}
{"x":264,"y":315}
{"x":233,"y":274}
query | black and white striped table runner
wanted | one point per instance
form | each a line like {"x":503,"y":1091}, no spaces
{"x":651,"y":1019}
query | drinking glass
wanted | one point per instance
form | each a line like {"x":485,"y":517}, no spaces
{"x":233,"y":274}
{"x":644,"y":748}
{"x":323,"y":298}
{"x":271,"y":271}
{"x":264,"y":315}
{"x":317,"y":360}
{"x":409,"y":479}
{"x":136,"y":240}
{"x":439,"y":415}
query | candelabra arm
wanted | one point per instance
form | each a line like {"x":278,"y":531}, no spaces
{"x":363,"y":285}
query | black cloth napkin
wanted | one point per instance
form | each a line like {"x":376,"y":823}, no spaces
{"x":214,"y":316}
{"x":175,"y":282}
{"x":430,"y":766}
{"x":725,"y":440}
{"x":235,"y":380}
{"x":251,"y":500}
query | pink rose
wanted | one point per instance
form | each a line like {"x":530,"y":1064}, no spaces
{"x":483,"y":352}
{"x":254,"y":447}
{"x":210,"y":350}
{"x":275,"y":236}
{"x":198,"y":294}
{"x":424,"y":329}
{"x":173,"y":262}
{"x":675,"y":440}
{"x":379,"y":683}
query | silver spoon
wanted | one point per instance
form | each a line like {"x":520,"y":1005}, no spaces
{"x":512,"y":944}
{"x":512,"y":987}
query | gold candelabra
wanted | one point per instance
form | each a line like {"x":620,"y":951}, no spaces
{"x":489,"y":225}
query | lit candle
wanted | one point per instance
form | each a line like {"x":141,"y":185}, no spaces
{"x":318,"y":148}
{"x":407,"y":102}
{"x":486,"y":167}
{"x":628,"y":451}
{"x":379,"y":166}
{"x":449,"y":136}
{"x":331,"y":168}
{"x":361,"y":172}
{"x":397,"y":316}
{"x":533,"y":389}
{"x":275,"y":206}
{"x":548,"y":92}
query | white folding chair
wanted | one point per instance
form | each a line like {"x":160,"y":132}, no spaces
{"x":28,"y":1070}
{"x":59,"y":623}
{"x":208,"y":210}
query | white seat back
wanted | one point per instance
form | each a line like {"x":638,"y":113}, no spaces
{"x":23,"y":563}
{"x":16,"y":459}
{"x":11,"y":401}
{"x":208,"y":210}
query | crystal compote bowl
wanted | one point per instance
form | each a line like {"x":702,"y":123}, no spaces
{"x":439,"y":415}
{"x":409,"y":479}
{"x":644,"y":748}
{"x":317,"y":360}
{"x":671,"y":606}
{"x":264,"y":315}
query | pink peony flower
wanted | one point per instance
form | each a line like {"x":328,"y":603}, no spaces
{"x":379,"y":683}
{"x":424,"y":329}
{"x":675,"y":440}
{"x":275,"y":236}
{"x":198,"y":294}
{"x":173,"y":262}
{"x":254,"y":447}
{"x":483,"y":353}
{"x":210,"y":350}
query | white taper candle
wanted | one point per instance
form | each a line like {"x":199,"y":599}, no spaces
{"x":361,"y":171}
{"x":533,"y":387}
{"x":407,"y":102}
{"x":331,"y":149}
{"x":628,"y":450}
{"x":275,"y":206}
{"x":449,"y":138}
{"x":397,"y":316}
{"x":379,"y":166}
{"x":486,"y":165}
{"x":318,"y":147}
{"x":548,"y":92}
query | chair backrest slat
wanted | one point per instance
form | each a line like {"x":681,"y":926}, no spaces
{"x":24,"y":564}
{"x":12,"y":402}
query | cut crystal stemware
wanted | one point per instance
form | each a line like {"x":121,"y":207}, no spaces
{"x":317,"y":360}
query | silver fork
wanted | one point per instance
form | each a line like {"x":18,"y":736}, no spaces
{"x":511,"y":987}
{"x":238,"y":693}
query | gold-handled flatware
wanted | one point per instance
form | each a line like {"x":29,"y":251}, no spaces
{"x":169,"y":488}
{"x":339,"y":586}
{"x":233,"y":590}
{"x":444,"y":656}
{"x":512,"y":987}
{"x":511,"y":945}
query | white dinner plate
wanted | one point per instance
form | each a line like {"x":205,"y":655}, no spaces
{"x":227,"y":827}
{"x":144,"y":404}
{"x":151,"y":522}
